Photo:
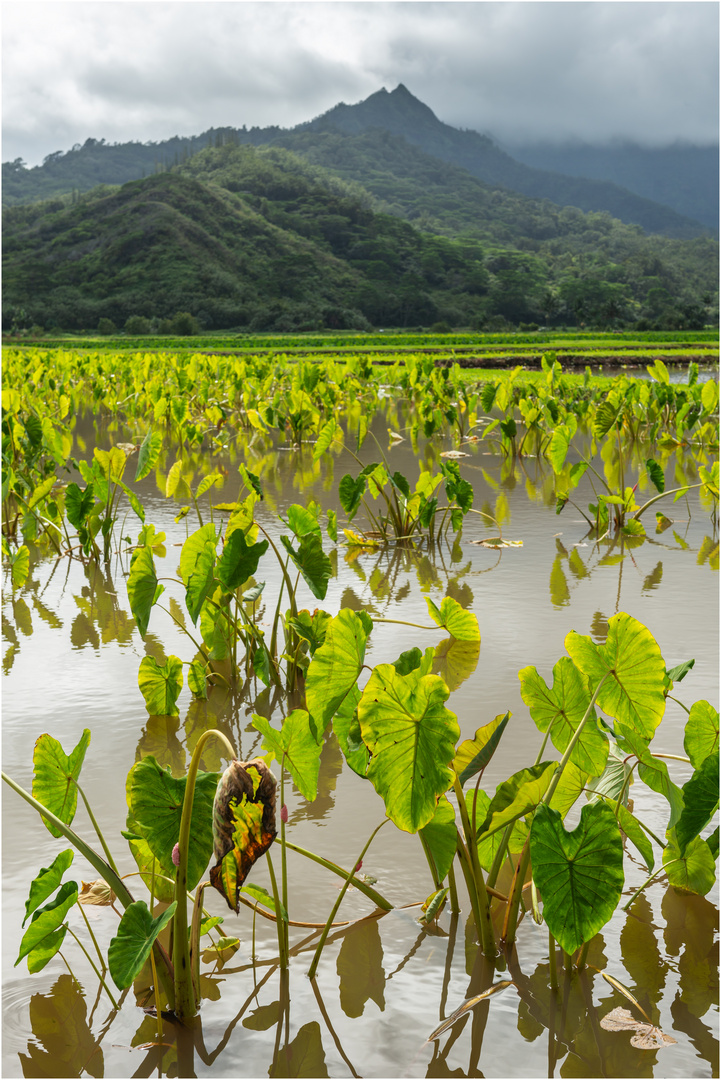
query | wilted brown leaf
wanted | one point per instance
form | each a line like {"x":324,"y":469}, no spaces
{"x":243,"y":824}
{"x":647,"y":1037}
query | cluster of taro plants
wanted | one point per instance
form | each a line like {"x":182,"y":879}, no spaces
{"x":600,"y":713}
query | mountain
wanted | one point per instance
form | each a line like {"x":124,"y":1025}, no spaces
{"x":398,"y":114}
{"x":681,"y":176}
{"x":403,"y":114}
{"x":265,"y":239}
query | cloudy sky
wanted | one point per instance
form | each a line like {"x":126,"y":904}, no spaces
{"x":518,"y":70}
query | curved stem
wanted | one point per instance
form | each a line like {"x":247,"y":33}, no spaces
{"x":185,"y":1003}
{"x":371,"y":893}
{"x":100,"y":836}
{"x":349,"y":878}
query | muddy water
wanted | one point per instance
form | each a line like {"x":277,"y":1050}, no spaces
{"x":71,"y":657}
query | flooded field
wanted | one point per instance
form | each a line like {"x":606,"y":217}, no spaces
{"x":386,"y":981}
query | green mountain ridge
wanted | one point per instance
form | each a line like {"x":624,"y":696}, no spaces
{"x":398,"y":113}
{"x":262,"y":238}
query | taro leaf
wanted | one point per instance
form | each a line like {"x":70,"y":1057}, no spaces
{"x":360,"y":968}
{"x":133,"y":500}
{"x":635,"y":833}
{"x":45,"y":950}
{"x":655,"y":472}
{"x":264,"y":1017}
{"x":155,"y":798}
{"x":653,"y":771}
{"x":311,"y":560}
{"x":579,"y":873}
{"x":55,"y":777}
{"x":516,"y":797}
{"x":303,"y":1056}
{"x":561,"y":709}
{"x":243,"y":824}
{"x":297,"y":747}
{"x":196,"y":680}
{"x":160,"y":684}
{"x":630,"y":658}
{"x":460,"y":624}
{"x":336,"y":665}
{"x":326,"y":436}
{"x":239,"y":560}
{"x":332,"y":527}
{"x":20,"y":567}
{"x":700,"y":802}
{"x":347,"y":731}
{"x":197,"y":560}
{"x":148,"y":454}
{"x":131,"y":946}
{"x":455,"y":661}
{"x":143,"y":587}
{"x":440,"y":837}
{"x":569,"y":788}
{"x":48,"y":920}
{"x":676,"y":674}
{"x":262,"y":896}
{"x":408,"y":661}
{"x":152,"y":874}
{"x":647,"y":1036}
{"x":312,"y":628}
{"x":488,"y":848}
{"x":350,"y":493}
{"x":474,"y":754}
{"x":692,"y":872}
{"x":613,"y":779}
{"x":112,"y":462}
{"x":604,"y":419}
{"x":301,"y":521}
{"x":78,"y":504}
{"x":558,"y":447}
{"x":701,"y":735}
{"x":47,"y":881}
{"x":411,"y":737}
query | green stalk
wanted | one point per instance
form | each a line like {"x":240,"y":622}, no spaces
{"x":371,"y":893}
{"x":581,"y":962}
{"x":485,"y":928}
{"x":90,"y":961}
{"x":283,"y":859}
{"x":688,"y":487}
{"x":552,"y":961}
{"x":500,"y":856}
{"x":282,"y":932}
{"x":648,"y":881}
{"x":331,"y":917}
{"x":95,"y":825}
{"x":185,"y":1003}
{"x":453,"y":891}
{"x":92,"y":935}
{"x":569,"y":749}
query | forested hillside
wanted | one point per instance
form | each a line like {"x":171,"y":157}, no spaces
{"x":260,"y":238}
{"x":397,"y":123}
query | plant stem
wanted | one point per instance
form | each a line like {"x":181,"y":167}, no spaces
{"x":331,"y":917}
{"x":92,"y":935}
{"x":581,"y":962}
{"x":485,"y":928}
{"x":648,"y":881}
{"x":282,"y":934}
{"x":371,"y":893}
{"x":95,"y":825}
{"x":672,"y":698}
{"x":552,"y":961}
{"x":90,"y":961}
{"x":185,"y":1003}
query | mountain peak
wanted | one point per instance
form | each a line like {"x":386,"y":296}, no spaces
{"x":394,"y":111}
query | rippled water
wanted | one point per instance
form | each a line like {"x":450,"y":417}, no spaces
{"x":71,"y":661}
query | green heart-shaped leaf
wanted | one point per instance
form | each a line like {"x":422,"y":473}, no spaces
{"x":55,"y":777}
{"x":143,"y":588}
{"x":336,"y":665}
{"x":160,"y":684}
{"x":47,"y":921}
{"x":701,"y":735}
{"x":311,"y":560}
{"x":197,"y":560}
{"x":155,"y":799}
{"x":239,"y":560}
{"x":474,"y":754}
{"x":634,"y":670}
{"x":296,"y":745}
{"x":561,"y":709}
{"x":700,"y":799}
{"x":579,"y":873}
{"x":131,"y":946}
{"x":411,"y":737}
{"x":460,"y":624}
{"x":516,"y":797}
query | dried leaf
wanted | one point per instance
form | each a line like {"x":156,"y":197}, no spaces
{"x":497,"y":542}
{"x":647,"y":1037}
{"x":97,"y":892}
{"x":454,"y":454}
{"x":243,"y":824}
{"x":469,"y":1004}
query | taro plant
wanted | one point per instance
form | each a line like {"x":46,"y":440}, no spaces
{"x":221,"y":599}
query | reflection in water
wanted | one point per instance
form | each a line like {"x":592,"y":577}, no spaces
{"x":360,"y":968}
{"x":64,"y":1044}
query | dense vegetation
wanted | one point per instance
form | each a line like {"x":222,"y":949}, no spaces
{"x":258,"y":238}
{"x":399,"y":125}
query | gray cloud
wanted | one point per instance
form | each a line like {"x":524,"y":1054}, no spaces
{"x":521,"y":70}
